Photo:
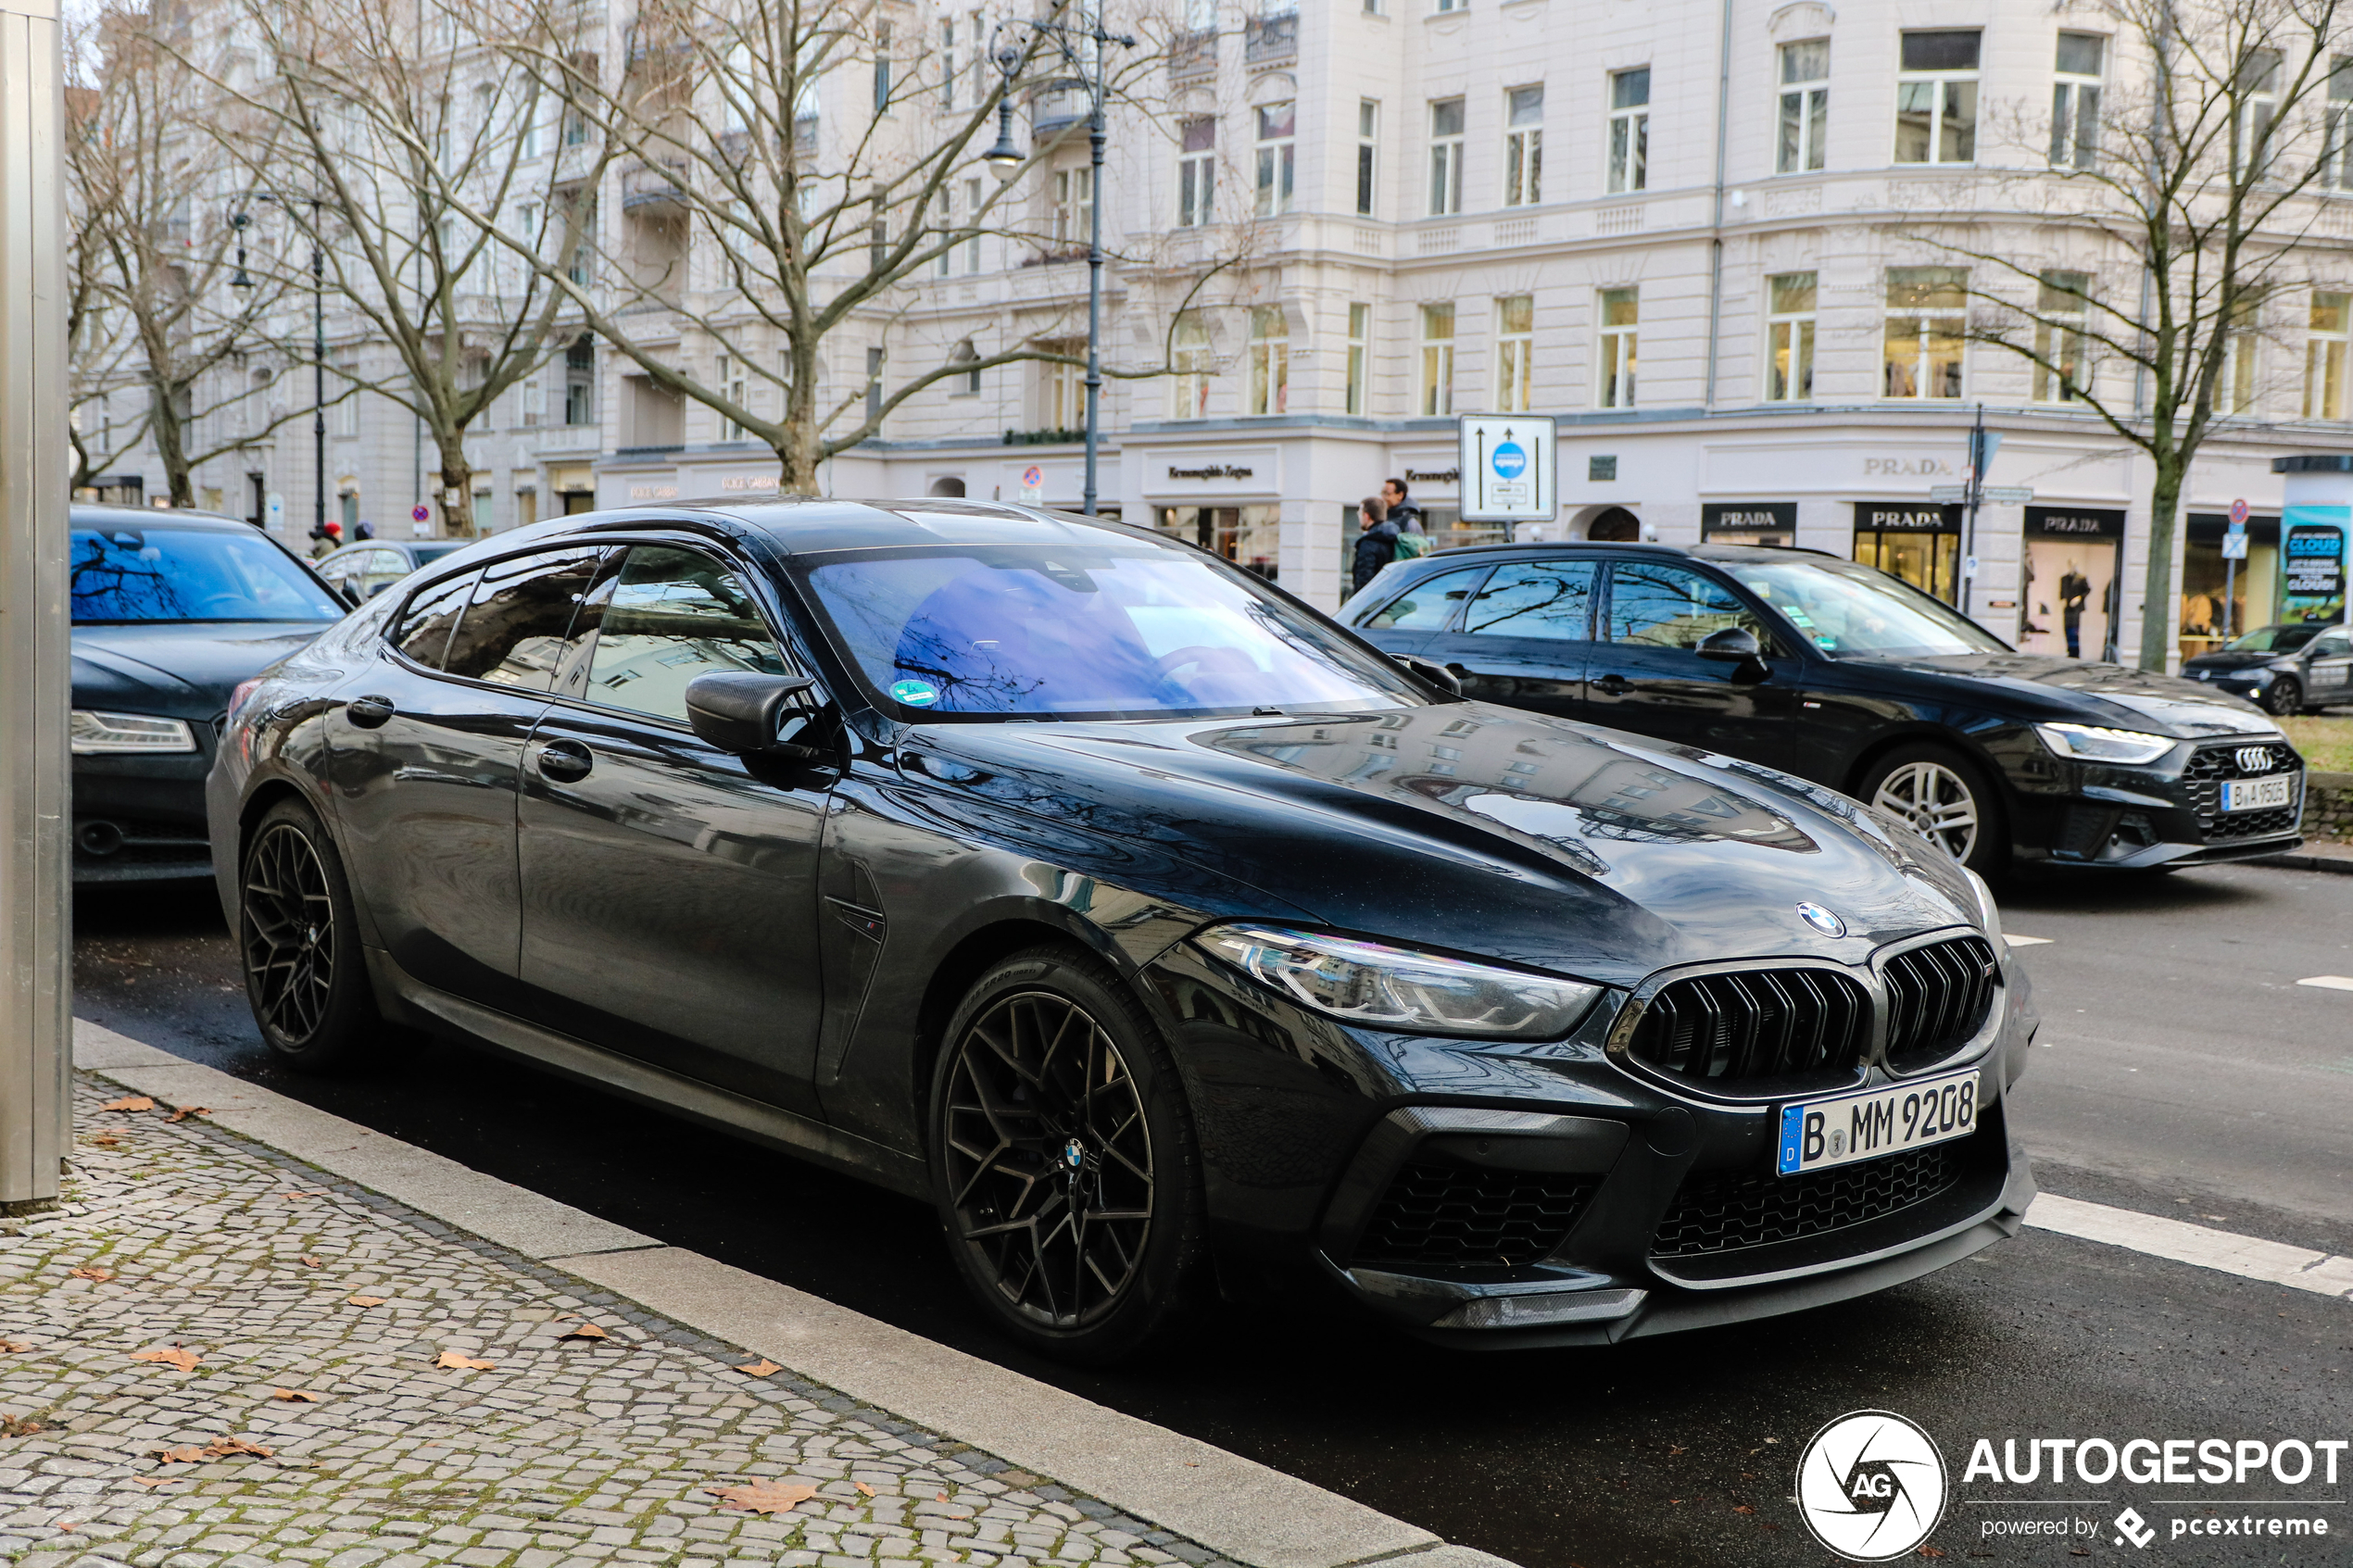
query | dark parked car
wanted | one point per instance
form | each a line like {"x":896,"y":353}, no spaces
{"x":1141,"y":919}
{"x":363,"y":570}
{"x":2287,"y":668}
{"x":1840,"y":674}
{"x":170,"y":610}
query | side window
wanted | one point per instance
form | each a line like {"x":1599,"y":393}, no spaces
{"x":339,"y":570}
{"x":519,"y":618}
{"x":380,"y":569}
{"x":1553,"y":599}
{"x":1428,"y":605}
{"x":674,"y":615}
{"x":1658,"y":605}
{"x":2333,"y":645}
{"x":422,"y":632}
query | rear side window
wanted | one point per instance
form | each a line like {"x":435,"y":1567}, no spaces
{"x":1550,"y":599}
{"x":423,"y":631}
{"x":1428,"y":605}
{"x":519,"y":619}
{"x":674,"y":615}
{"x":1657,"y":605}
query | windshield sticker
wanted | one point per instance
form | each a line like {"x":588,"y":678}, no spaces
{"x":915,"y":694}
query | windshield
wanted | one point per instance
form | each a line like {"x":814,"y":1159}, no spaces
{"x":2276,"y":639}
{"x":1094,"y":631}
{"x":130,"y":574}
{"x":1853,"y":611}
{"x":425,"y":555}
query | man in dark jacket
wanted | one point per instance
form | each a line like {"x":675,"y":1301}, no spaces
{"x":1376,"y":542}
{"x":1402,"y":512}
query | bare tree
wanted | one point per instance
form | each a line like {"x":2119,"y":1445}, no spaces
{"x":2191,"y":188}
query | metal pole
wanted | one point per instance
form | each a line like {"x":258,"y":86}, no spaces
{"x":1095,"y":263}
{"x":1976,"y":494}
{"x":35,"y":799}
{"x":318,"y":372}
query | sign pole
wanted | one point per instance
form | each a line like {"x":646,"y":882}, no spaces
{"x":35,"y":1055}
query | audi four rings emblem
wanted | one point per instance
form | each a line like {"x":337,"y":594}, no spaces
{"x":2254,"y":758}
{"x":1821,"y":920}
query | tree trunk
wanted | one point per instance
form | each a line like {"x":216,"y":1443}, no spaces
{"x":457,"y":480}
{"x":172,"y":445}
{"x":2156,"y":608}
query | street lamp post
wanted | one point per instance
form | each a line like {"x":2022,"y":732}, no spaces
{"x":1005,"y":159}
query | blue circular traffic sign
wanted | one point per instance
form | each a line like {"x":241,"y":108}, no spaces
{"x":1510,"y":459}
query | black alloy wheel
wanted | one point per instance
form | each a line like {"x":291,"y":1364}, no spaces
{"x":1062,"y":1160}
{"x":304,"y":976}
{"x":2284,"y":696}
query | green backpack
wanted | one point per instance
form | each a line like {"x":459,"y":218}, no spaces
{"x":1412,"y":547}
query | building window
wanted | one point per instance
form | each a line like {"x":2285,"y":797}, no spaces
{"x":1524,"y":146}
{"x":1274,"y":124}
{"x":346,"y":396}
{"x":734,"y":385}
{"x":1936,"y":98}
{"x":1437,"y":359}
{"x":2075,"y":100}
{"x":2337,"y":159}
{"x":943,"y":227}
{"x":1806,"y":105}
{"x":2234,"y":389}
{"x":1630,"y":130}
{"x":1269,"y":360}
{"x":972,"y":218}
{"x":1621,"y":312}
{"x":965,"y":382}
{"x":1445,"y":157}
{"x":1368,"y":154}
{"x":1515,"y":353}
{"x":1073,"y":207}
{"x":947,"y":64}
{"x":1062,"y":387}
{"x":2259,"y":106}
{"x":2062,"y":311}
{"x":1927,"y":308}
{"x":535,"y":402}
{"x":1197,"y":172}
{"x":580,"y":383}
{"x":1360,"y":332}
{"x":882,"y":68}
{"x":1191,"y":360}
{"x":2325,"y":356}
{"x":1789,"y":337}
{"x":1443,"y":6}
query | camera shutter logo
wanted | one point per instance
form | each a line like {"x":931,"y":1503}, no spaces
{"x":1872,"y":1485}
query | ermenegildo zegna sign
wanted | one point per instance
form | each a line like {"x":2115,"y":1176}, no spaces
{"x":1747,"y":517}
{"x":1891,"y":516}
{"x":2074,"y":522}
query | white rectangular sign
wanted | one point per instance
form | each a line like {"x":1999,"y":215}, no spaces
{"x":1507,"y":467}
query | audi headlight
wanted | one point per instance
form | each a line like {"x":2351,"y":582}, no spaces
{"x":1385,"y":987}
{"x":93,"y":733}
{"x":2089,"y":743}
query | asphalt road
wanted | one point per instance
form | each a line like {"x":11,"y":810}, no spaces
{"x":2181,"y":1072}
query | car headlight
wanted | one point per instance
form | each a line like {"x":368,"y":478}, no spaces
{"x":1385,"y":987}
{"x":97,"y":732}
{"x":2090,"y":742}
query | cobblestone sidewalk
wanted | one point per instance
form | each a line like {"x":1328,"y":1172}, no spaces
{"x":561,"y":1451}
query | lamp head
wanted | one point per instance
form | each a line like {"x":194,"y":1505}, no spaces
{"x":1004,"y":159}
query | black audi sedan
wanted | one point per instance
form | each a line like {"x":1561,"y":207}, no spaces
{"x":170,"y":610}
{"x":1840,"y":674}
{"x":2287,"y":668}
{"x":1161,"y":933}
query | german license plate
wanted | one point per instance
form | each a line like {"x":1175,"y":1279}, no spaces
{"x":1823,"y":1133}
{"x":2257,"y":795}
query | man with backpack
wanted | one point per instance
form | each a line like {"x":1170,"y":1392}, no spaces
{"x":1413,"y":539}
{"x":1376,"y":542}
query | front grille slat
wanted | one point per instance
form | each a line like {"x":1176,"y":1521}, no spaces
{"x":1726,"y":1210}
{"x":1939,"y":997}
{"x":1439,"y":1216}
{"x":1755,"y":1026}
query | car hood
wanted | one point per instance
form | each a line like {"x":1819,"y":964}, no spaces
{"x":1472,"y":828}
{"x":177,"y":670}
{"x":2235,"y":661}
{"x":2048,"y":687}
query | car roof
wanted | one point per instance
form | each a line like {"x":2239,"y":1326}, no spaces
{"x":803,"y":525}
{"x":1631,"y":547}
{"x":89,"y":514}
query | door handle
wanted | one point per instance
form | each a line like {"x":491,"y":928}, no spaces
{"x":1614,"y":684}
{"x":368,"y":712}
{"x":566,"y":761}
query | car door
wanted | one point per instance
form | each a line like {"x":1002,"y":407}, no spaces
{"x":1646,"y":674}
{"x":2328,"y":666}
{"x":669,"y":889}
{"x":1524,"y":639}
{"x":1406,"y":624}
{"x":425,"y":747}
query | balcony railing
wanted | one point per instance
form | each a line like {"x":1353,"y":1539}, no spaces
{"x":1193,"y":53}
{"x":654,"y":187}
{"x":1271,"y":39}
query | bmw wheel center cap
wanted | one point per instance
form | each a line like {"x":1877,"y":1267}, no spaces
{"x":1074,"y":1154}
{"x":1821,"y":920}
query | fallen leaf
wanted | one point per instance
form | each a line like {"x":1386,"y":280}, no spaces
{"x":1772,"y":1439}
{"x":189,"y":1455}
{"x":107,"y":1140}
{"x":762,"y":1368}
{"x":187,"y":1111}
{"x":129,"y":1102}
{"x":20,"y":1427}
{"x":310,"y":1262}
{"x":365,"y":1300}
{"x":293,"y":1195}
{"x":154,"y":1480}
{"x":764,"y":1496}
{"x":228,"y":1446}
{"x":292,"y":1396}
{"x":92,"y":1272}
{"x":863,"y":1489}
{"x":66,"y":1524}
{"x":13,"y":1347}
{"x":943,"y":1497}
{"x":185,"y":1359}
{"x":1673,"y":1449}
{"x":1743,"y":1509}
{"x":463,"y":1363}
{"x":1929,"y":1551}
{"x":584,"y":1331}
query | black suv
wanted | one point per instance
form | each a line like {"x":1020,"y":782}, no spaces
{"x":1838,"y":672}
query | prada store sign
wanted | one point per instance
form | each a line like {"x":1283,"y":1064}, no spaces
{"x":2074,"y":522}
{"x":1905,"y":517}
{"x":1748,"y":517}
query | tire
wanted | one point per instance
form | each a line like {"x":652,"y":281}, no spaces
{"x":1947,"y":798}
{"x":298,"y":942}
{"x":2283,"y":698}
{"x":1019,"y":1151}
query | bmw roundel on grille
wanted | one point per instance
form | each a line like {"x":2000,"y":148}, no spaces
{"x":1821,"y":920}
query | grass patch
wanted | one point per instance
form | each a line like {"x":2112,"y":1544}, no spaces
{"x":2326,"y":742}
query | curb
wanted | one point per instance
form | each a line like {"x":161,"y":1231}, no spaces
{"x":1245,"y":1511}
{"x":2311,"y":858}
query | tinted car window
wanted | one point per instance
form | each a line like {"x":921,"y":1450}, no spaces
{"x":1553,"y":599}
{"x":425,"y":555}
{"x":2333,"y":646}
{"x":162,"y":573}
{"x":674,"y":615}
{"x":422,"y":632}
{"x":1427,"y":605}
{"x":1849,"y":610}
{"x":2274,"y":639}
{"x":1660,"y":605}
{"x":516,"y":623}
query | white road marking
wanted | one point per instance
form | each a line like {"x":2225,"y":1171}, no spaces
{"x":2027,"y":941}
{"x":2330,"y":982}
{"x":2246,"y":1256}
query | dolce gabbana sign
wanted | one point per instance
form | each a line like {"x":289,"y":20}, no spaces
{"x":1212,"y":470}
{"x":1905,"y":517}
{"x":1747,"y":517}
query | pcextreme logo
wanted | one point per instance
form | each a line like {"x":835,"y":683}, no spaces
{"x":1872,"y":1485}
